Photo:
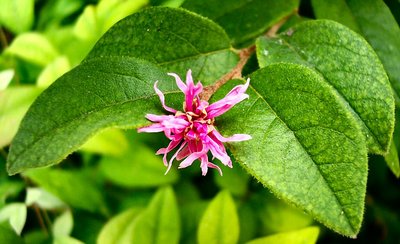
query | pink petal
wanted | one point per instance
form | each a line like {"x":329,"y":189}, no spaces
{"x":236,"y":95}
{"x":152,"y":128}
{"x":165,"y":151}
{"x":190,"y":90}
{"x":162,"y":99}
{"x":195,"y":155}
{"x":218,"y":150}
{"x":174,"y":156}
{"x":234,"y":138}
{"x":211,"y":165}
{"x":183,"y":153}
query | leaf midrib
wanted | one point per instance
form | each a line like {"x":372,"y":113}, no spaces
{"x":308,"y":155}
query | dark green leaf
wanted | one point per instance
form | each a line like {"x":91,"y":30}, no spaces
{"x":348,"y":64}
{"x":234,"y":180}
{"x":97,"y":94}
{"x":243,"y":20}
{"x":373,"y":19}
{"x":220,"y":223}
{"x":72,"y":187}
{"x":175,"y":39}
{"x":306,"y":146}
{"x":392,"y":160}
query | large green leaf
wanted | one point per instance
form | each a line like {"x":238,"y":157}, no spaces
{"x":374,"y":20}
{"x":220,"y":222}
{"x":73,"y":188}
{"x":175,"y":39}
{"x":306,"y":147}
{"x":97,"y":94}
{"x":348,"y":64}
{"x":243,"y":19}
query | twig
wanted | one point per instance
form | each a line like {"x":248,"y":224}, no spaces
{"x":235,"y":73}
{"x":40,"y":218}
{"x":3,"y":39}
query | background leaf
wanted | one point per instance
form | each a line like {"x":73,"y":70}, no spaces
{"x":303,"y":236}
{"x":14,"y":102}
{"x":72,"y":187}
{"x":220,"y":223}
{"x":137,"y":167}
{"x":175,"y":39}
{"x":9,"y":236}
{"x":243,"y":20}
{"x":17,"y":15}
{"x":374,"y":20}
{"x":346,"y":62}
{"x":160,"y":222}
{"x":306,"y":146}
{"x":15,"y":213}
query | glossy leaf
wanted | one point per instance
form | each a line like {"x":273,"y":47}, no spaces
{"x":303,"y":236}
{"x":348,"y":64}
{"x":220,"y":222}
{"x":243,"y":20}
{"x":118,"y":228}
{"x":71,"y":187}
{"x":5,"y":78}
{"x":17,"y":15}
{"x":137,"y":167}
{"x":374,"y":20}
{"x":97,"y":94}
{"x":175,"y":39}
{"x":160,"y":222}
{"x":14,"y":102}
{"x":306,"y":147}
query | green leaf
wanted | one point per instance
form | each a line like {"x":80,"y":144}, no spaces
{"x":243,"y":19}
{"x":118,"y":228}
{"x":5,"y":78}
{"x":160,"y":222}
{"x":100,"y":93}
{"x":220,"y":222}
{"x":63,"y":224}
{"x":9,"y":188}
{"x":137,"y":167}
{"x":9,"y":236}
{"x":392,"y":160}
{"x":71,"y":187}
{"x":66,"y":240}
{"x":14,"y":102}
{"x":303,"y":236}
{"x":306,"y":147}
{"x":53,"y":71}
{"x":110,"y":141}
{"x":17,"y":15}
{"x":42,"y":198}
{"x":234,"y":180}
{"x":15,"y":213}
{"x":348,"y":64}
{"x":374,"y":20}
{"x":175,"y":39}
{"x":33,"y":47}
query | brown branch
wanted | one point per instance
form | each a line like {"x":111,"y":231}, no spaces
{"x":235,"y":73}
{"x":3,"y":39}
{"x":40,"y":218}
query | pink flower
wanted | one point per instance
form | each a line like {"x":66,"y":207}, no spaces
{"x":192,"y":131}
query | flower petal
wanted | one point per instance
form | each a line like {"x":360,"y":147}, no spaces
{"x":236,"y":95}
{"x":234,"y":138}
{"x":162,"y":99}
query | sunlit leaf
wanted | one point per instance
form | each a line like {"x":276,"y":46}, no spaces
{"x":15,"y":213}
{"x":303,"y":236}
{"x":17,"y":15}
